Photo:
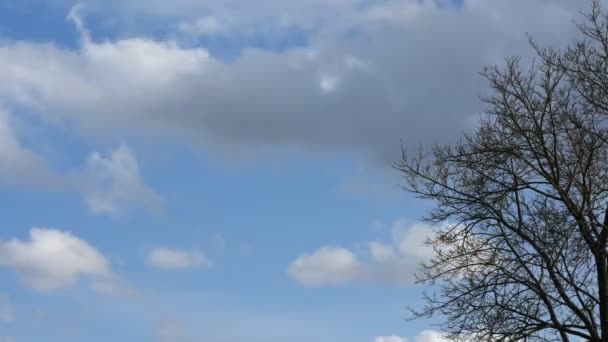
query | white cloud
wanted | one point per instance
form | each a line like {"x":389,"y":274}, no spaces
{"x":424,"y":336}
{"x":431,"y":336}
{"x":52,"y":259}
{"x":326,"y":266}
{"x":145,"y":62}
{"x":390,"y":339}
{"x":113,"y":183}
{"x":328,"y":83}
{"x":389,"y":263}
{"x":171,"y":259}
{"x":411,"y":238}
{"x":6,"y":309}
{"x":108,"y":184}
{"x":381,"y":252}
{"x":160,"y":88}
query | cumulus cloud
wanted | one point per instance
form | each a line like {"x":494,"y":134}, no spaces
{"x":419,"y":84}
{"x":411,"y":238}
{"x":114,"y":183}
{"x":390,"y":339}
{"x":326,"y":266}
{"x":52,"y":259}
{"x":431,"y":336}
{"x":391,"y":263}
{"x":424,"y":336}
{"x":172,"y":259}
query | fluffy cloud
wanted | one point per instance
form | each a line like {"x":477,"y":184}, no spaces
{"x":431,"y":336}
{"x":53,"y":259}
{"x":171,"y":259}
{"x":390,"y":339}
{"x":326,"y":266}
{"x":113,"y":183}
{"x":425,"y":336}
{"x":411,"y":238}
{"x":388,"y":263}
{"x":415,"y":79}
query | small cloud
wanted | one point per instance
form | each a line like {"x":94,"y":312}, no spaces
{"x":114,"y":182}
{"x":391,"y":263}
{"x":355,"y":63}
{"x":109,"y":184}
{"x":390,"y":339}
{"x":52,"y":259}
{"x":75,"y":16}
{"x":326,"y":266}
{"x":328,"y":83}
{"x":173,"y":259}
{"x":431,"y":336}
{"x":208,"y":25}
{"x":424,"y":336}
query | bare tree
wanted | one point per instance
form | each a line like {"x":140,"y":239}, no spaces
{"x":522,"y":204}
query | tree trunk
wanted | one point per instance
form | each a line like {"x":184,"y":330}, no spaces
{"x":602,"y":279}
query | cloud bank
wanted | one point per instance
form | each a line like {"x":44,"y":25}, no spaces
{"x":364,"y":81}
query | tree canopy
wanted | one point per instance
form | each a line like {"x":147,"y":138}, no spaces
{"x":522,"y":244}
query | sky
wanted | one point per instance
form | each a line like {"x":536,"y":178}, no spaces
{"x":220,"y":170}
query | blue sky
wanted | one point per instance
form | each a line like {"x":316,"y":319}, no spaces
{"x":219,"y":171}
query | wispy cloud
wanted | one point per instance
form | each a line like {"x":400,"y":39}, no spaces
{"x":174,"y":259}
{"x":113,"y":183}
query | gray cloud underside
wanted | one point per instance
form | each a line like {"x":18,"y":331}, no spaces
{"x":372,"y":78}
